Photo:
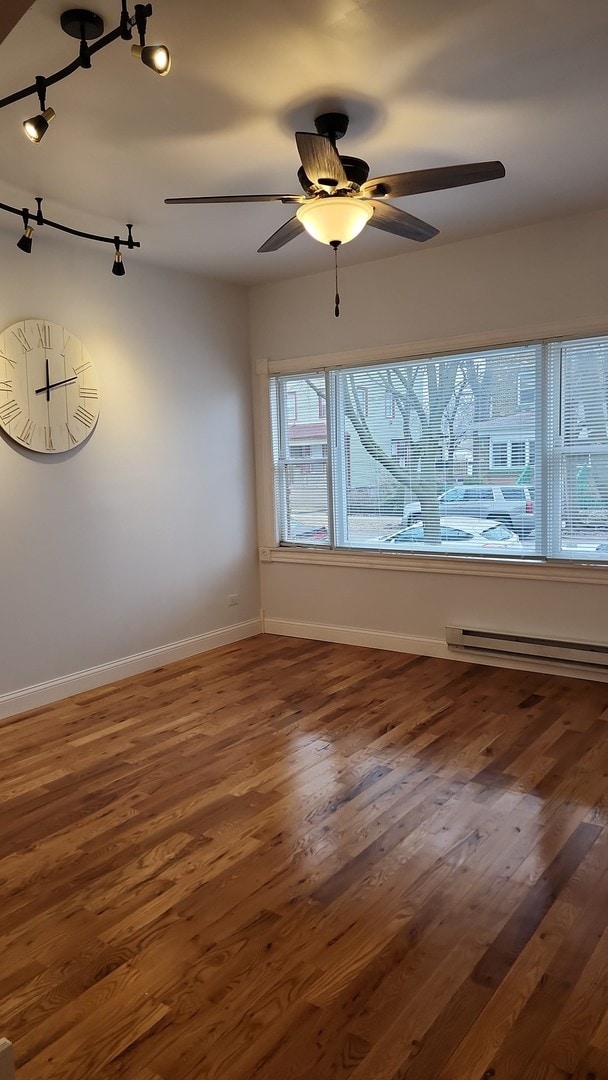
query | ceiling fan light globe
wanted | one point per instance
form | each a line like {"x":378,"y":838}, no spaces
{"x":156,"y":57}
{"x":334,"y":220}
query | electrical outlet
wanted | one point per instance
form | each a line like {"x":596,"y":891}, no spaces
{"x":233,"y":600}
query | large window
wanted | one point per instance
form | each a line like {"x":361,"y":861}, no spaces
{"x":496,"y":453}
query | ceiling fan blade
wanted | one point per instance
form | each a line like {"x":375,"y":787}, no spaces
{"x":238,"y":199}
{"x":449,"y":176}
{"x":392,"y":220}
{"x":321,"y":160}
{"x":282,"y":236}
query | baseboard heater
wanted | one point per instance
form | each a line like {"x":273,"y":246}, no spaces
{"x":530,"y":648}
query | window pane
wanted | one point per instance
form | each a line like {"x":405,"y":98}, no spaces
{"x":584,"y":446}
{"x":458,"y":427}
{"x":300,"y":450}
{"x":438,"y":455}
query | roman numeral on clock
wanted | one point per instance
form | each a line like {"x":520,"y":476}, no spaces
{"x":6,"y":386}
{"x":44,"y":336}
{"x":12,"y":363}
{"x":48,"y":438}
{"x":9,"y":411}
{"x":22,"y":338}
{"x":82,"y":367}
{"x":84,"y":416}
{"x":27,"y":432}
{"x":86,"y":391}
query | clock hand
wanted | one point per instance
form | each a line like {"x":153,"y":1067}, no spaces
{"x":48,"y":388}
{"x":51,"y":386}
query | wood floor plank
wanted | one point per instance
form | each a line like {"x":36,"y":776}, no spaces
{"x":294,"y":860}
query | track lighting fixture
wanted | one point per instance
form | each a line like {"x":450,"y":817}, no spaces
{"x":86,"y":26}
{"x":118,"y":268}
{"x":37,"y":126}
{"x":156,"y":57}
{"x":25,"y":242}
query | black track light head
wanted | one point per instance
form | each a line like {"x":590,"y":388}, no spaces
{"x":25,"y":243}
{"x":118,"y":268}
{"x":37,"y":126}
{"x":156,"y":57}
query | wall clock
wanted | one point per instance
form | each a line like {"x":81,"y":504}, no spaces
{"x":49,"y":390}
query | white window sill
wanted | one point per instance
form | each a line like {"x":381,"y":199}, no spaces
{"x":521,"y":569}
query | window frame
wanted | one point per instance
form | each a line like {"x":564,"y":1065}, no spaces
{"x":541,"y":567}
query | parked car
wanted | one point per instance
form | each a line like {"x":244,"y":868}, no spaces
{"x":511,"y":504}
{"x":300,"y":533}
{"x":465,"y":532}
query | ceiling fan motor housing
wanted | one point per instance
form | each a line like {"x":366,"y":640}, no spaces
{"x":355,"y":168}
{"x":357,"y":172}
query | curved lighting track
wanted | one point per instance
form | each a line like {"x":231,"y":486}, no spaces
{"x":37,"y":218}
{"x":86,"y":26}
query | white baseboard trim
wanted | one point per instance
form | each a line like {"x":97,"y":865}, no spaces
{"x":350,"y":635}
{"x":380,"y":639}
{"x":33,"y":697}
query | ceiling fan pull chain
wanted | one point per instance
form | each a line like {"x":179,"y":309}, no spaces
{"x":336,"y":244}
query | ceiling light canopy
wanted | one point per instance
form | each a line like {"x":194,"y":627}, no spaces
{"x":335,"y":219}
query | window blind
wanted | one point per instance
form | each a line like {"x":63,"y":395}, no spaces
{"x":497,"y":452}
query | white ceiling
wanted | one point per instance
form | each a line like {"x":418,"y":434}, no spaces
{"x":425,"y":82}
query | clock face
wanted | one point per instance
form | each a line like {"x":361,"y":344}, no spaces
{"x":49,"y":391}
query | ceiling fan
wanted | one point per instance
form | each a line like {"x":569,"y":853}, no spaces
{"x":339,"y":199}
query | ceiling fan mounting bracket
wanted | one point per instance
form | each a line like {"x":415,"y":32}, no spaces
{"x":77,"y":21}
{"x":332,"y":124}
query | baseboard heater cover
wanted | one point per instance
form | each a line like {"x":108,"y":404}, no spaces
{"x":554,"y":649}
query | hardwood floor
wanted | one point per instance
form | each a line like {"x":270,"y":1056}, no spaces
{"x":290,"y":859}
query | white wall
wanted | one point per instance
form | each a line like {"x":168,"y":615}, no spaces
{"x":133,"y":541}
{"x":545,"y":279}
